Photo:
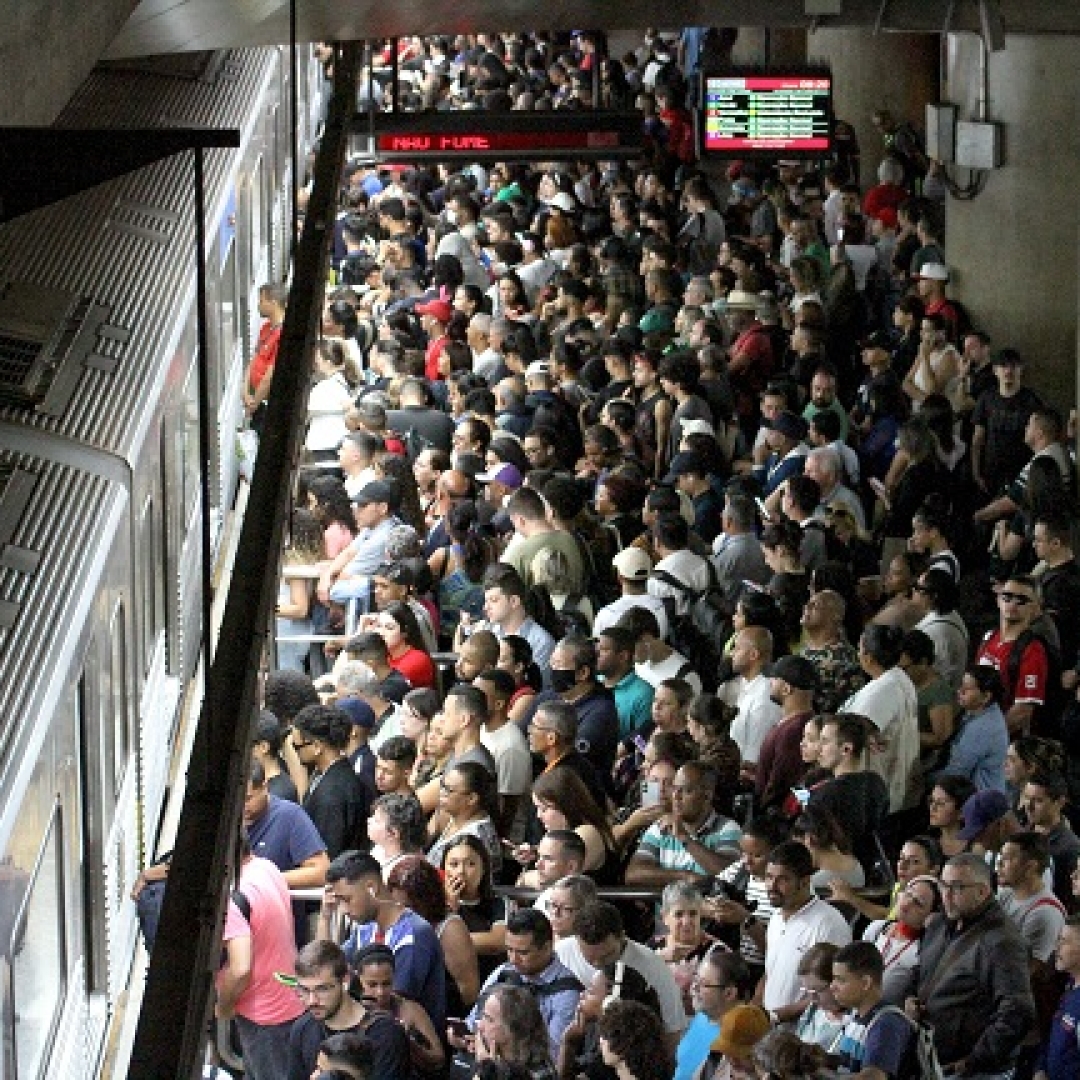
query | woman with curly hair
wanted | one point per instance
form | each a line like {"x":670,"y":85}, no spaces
{"x":328,"y":499}
{"x":416,"y":883}
{"x":632,"y":1041}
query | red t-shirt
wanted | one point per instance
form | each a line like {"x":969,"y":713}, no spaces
{"x":1032,"y":677}
{"x":416,"y":666}
{"x":265,"y":354}
{"x":431,"y":357}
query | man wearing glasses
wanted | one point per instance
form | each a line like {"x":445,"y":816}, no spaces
{"x":722,"y":981}
{"x":1026,"y":680}
{"x":322,"y":985}
{"x":974,"y":989}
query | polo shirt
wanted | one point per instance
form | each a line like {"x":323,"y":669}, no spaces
{"x":669,"y":853}
{"x":786,"y":942}
{"x":285,"y":835}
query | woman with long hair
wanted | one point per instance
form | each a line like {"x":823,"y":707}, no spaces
{"x":516,"y":657}
{"x":564,"y":802}
{"x":830,"y":849}
{"x":394,"y":467}
{"x":296,"y":595}
{"x":330,"y":502}
{"x":415,"y":883}
{"x":458,"y":569}
{"x":399,"y":628}
{"x":466,"y":867}
{"x":511,"y":1030}
{"x":508,"y":298}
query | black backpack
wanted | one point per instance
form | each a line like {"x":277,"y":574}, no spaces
{"x":1046,"y":718}
{"x":509,"y":977}
{"x":700,"y":632}
{"x":148,"y":909}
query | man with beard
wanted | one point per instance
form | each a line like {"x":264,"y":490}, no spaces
{"x":800,"y":920}
{"x":322,"y":984}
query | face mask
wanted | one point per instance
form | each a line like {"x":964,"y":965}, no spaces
{"x":451,"y":216}
{"x":563,"y":679}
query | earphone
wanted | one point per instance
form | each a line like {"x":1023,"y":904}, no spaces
{"x":616,"y":989}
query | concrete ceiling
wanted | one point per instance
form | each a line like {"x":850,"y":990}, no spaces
{"x":161,"y":26}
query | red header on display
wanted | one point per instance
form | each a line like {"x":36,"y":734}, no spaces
{"x":494,"y":142}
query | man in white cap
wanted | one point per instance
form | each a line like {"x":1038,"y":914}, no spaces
{"x":633,"y":567}
{"x":931,"y":281}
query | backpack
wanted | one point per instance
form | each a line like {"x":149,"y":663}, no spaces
{"x":148,"y":909}
{"x":510,"y":977}
{"x":914,"y":1065}
{"x":700,"y":632}
{"x":1047,"y":718}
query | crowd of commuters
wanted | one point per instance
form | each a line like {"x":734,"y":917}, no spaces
{"x":677,"y":641}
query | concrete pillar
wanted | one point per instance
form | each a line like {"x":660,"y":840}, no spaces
{"x":1014,"y":247}
{"x":898,"y":72}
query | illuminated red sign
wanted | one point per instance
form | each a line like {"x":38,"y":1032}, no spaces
{"x":495,"y":142}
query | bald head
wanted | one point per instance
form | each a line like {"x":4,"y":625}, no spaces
{"x":455,"y":484}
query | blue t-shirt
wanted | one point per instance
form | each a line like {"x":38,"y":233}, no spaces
{"x":419,"y":966}
{"x":694,"y":1046}
{"x":879,"y":1040}
{"x":1060,"y":1056}
{"x":285,"y":835}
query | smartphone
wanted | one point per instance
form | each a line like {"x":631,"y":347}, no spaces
{"x":458,"y":1026}
{"x":802,"y":795}
{"x":640,"y":743}
{"x":840,"y":234}
{"x":650,"y":793}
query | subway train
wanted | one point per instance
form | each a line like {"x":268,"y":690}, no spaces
{"x":101,"y":513}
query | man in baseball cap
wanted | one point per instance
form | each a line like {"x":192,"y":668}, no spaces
{"x":633,"y":566}
{"x":434,"y":315}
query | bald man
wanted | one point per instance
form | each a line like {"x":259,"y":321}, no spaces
{"x":837,"y":661}
{"x":758,"y":713}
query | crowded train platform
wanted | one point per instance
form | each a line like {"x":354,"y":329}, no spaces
{"x":676,"y":658}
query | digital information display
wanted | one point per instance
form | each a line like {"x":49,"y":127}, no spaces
{"x":475,"y":136}
{"x":774,"y":114}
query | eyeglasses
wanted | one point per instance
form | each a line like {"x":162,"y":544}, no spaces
{"x":302,"y":744}
{"x":917,"y":900}
{"x":1015,"y":598}
{"x":955,"y":886}
{"x":940,"y":804}
{"x":562,"y":909}
{"x":919,"y":587}
{"x":696,"y":981}
{"x":314,"y":991}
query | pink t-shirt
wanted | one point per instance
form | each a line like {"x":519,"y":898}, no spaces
{"x":273,"y":946}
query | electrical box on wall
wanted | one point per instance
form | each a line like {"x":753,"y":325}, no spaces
{"x":941,"y":132}
{"x":978,"y":145}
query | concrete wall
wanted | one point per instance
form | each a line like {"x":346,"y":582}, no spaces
{"x":1015,"y":246}
{"x":898,"y":72}
{"x":47,"y":48}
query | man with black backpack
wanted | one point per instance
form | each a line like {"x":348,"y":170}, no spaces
{"x":1023,"y":653}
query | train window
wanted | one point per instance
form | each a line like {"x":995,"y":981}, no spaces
{"x":229,"y":324}
{"x":38,"y":947}
{"x":120,"y":710}
{"x":151,"y":571}
{"x":256,"y":191}
{"x":188,"y":437}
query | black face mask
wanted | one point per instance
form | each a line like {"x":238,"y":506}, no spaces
{"x":563,"y":679}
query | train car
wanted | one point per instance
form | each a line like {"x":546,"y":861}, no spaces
{"x":101,"y":631}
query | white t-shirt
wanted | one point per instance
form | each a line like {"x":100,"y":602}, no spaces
{"x":684,"y":566}
{"x":646,"y":962}
{"x":613,"y":612}
{"x":758,"y":715}
{"x":327,"y":403}
{"x":655,"y":674}
{"x":513,"y":762}
{"x":891,"y":703}
{"x":788,"y":940}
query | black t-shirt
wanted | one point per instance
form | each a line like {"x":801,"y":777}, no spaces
{"x":859,"y":802}
{"x":1061,"y":599}
{"x":389,"y":1045}
{"x":1004,"y":418}
{"x":339,"y":807}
